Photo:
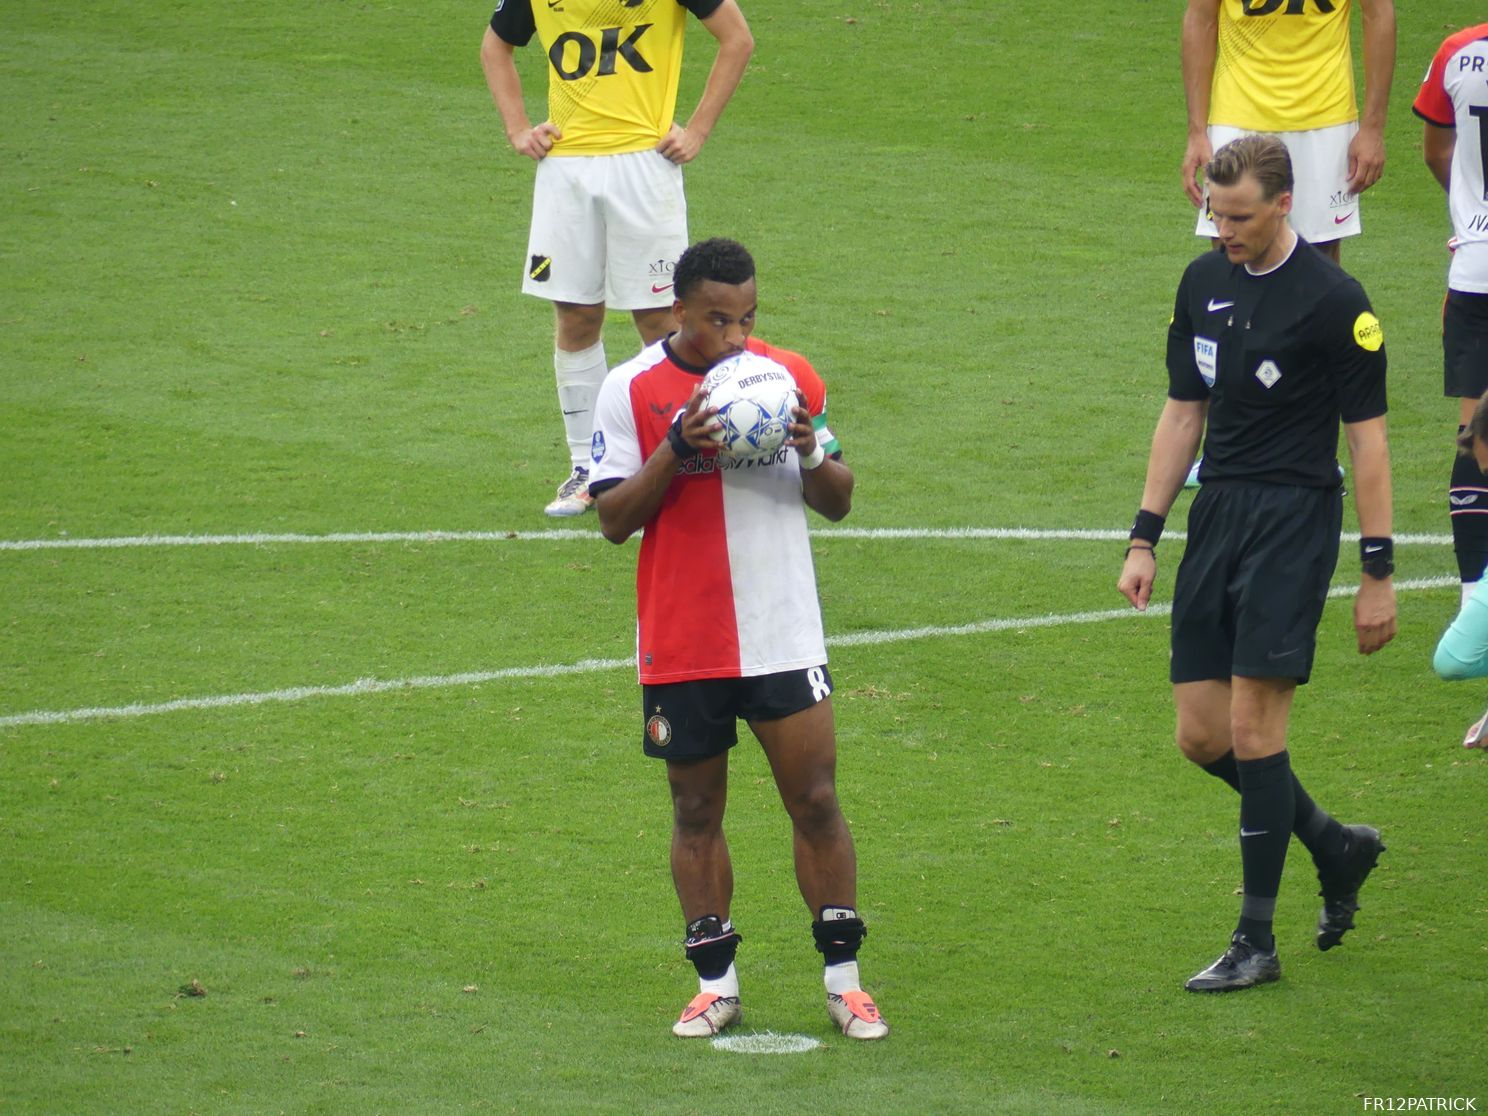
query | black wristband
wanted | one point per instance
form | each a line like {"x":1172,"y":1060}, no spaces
{"x":1148,"y":526}
{"x":680,"y":445}
{"x":1377,"y":556}
{"x":1152,"y":550}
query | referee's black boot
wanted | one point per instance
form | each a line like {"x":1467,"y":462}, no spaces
{"x":1242,"y":966}
{"x":1341,"y":889}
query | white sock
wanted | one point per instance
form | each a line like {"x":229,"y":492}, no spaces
{"x":842,"y":978}
{"x":579,"y":376}
{"x":726,"y":985}
{"x":1467,"y":591}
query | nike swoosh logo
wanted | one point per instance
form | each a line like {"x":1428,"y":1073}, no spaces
{"x":660,"y":288}
{"x":580,"y":411}
{"x":1341,"y":220}
{"x":1254,"y":832}
{"x":1274,"y":655}
{"x":1215,"y":307}
{"x":1373,"y":549}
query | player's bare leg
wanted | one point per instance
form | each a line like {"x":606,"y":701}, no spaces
{"x":701,"y":869}
{"x":704,"y":878}
{"x":1203,"y":720}
{"x":802,"y":750}
{"x":654,"y":324}
{"x":1333,"y":249}
{"x":579,"y":366}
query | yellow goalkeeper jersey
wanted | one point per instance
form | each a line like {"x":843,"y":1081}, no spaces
{"x":613,"y":66}
{"x":1283,"y":65}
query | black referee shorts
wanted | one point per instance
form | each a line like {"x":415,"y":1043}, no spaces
{"x":1253,"y":581}
{"x":700,"y":719}
{"x":1465,"y":345}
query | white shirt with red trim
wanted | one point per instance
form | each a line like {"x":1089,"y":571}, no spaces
{"x":1455,"y":95}
{"x":725,"y":585}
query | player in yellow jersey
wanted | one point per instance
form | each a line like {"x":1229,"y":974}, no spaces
{"x":1286,"y":67}
{"x":609,"y":217}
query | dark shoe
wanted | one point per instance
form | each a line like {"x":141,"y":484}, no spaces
{"x":1242,"y":966}
{"x":1341,"y":889}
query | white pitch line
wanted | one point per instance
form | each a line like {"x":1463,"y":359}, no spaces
{"x":1034,"y":534}
{"x":589,"y":666}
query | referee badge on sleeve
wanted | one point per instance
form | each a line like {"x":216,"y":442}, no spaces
{"x":1368,"y":333}
{"x":1206,"y":356}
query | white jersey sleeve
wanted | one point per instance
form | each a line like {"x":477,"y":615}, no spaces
{"x":614,"y":448}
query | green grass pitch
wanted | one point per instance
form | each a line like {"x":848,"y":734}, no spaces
{"x":259,"y":277}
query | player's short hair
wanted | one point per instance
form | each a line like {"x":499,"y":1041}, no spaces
{"x":718,"y":260}
{"x":1476,"y":428}
{"x":1263,"y":157}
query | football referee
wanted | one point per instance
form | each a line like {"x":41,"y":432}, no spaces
{"x":1270,"y":346}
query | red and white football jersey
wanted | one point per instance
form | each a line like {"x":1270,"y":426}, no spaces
{"x":1455,"y":95}
{"x":725,"y":586}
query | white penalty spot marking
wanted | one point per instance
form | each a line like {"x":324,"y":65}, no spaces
{"x":765,"y":1042}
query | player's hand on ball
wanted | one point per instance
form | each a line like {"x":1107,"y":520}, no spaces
{"x":699,"y":424}
{"x":801,"y":433}
{"x":1138,"y":573}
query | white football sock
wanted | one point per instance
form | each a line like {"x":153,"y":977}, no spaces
{"x":842,"y":978}
{"x":579,"y":376}
{"x":726,"y":985}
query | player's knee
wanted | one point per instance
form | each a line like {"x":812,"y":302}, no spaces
{"x":1448,"y":667}
{"x":1200,"y":744}
{"x":579,"y":326}
{"x":1254,"y":740}
{"x":696,"y":813}
{"x":814,"y":808}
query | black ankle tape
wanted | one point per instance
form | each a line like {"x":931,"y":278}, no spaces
{"x":710,"y":948}
{"x":840,"y":939}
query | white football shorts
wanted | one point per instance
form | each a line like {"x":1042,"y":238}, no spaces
{"x":1323,"y":208}
{"x":606,"y":228}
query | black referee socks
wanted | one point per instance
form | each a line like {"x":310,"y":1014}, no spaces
{"x":1267,"y":806}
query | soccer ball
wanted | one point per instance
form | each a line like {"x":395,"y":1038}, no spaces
{"x":754,"y":396}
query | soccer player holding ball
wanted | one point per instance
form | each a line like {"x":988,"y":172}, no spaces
{"x":729,"y":627}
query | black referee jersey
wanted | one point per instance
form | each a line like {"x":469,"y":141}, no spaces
{"x":1281,"y":357}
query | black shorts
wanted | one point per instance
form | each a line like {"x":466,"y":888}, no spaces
{"x":1253,"y":581}
{"x":1465,"y":345}
{"x":699,"y":720}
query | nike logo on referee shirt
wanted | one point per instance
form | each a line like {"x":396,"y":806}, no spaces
{"x":1215,"y":307}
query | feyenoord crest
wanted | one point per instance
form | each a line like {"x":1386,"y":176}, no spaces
{"x":659,"y":731}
